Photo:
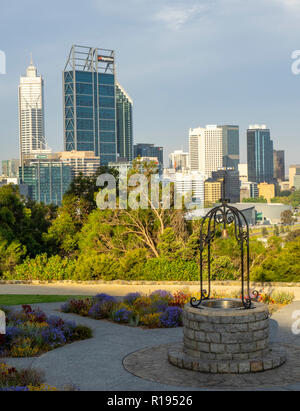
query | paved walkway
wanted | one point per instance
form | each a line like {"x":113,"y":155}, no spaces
{"x":120,"y":289}
{"x":96,"y":364}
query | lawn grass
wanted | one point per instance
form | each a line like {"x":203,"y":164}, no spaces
{"x":19,"y":299}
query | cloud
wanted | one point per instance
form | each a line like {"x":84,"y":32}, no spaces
{"x":289,"y":4}
{"x":175,"y":17}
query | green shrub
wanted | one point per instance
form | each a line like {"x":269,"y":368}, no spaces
{"x":283,"y":297}
{"x":82,"y":332}
{"x":43,"y":268}
{"x":93,"y":266}
{"x":223,"y":269}
{"x":158,"y":269}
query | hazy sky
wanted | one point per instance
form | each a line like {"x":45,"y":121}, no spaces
{"x":185,"y":63}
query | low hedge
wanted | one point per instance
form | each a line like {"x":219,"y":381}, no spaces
{"x":104,"y":267}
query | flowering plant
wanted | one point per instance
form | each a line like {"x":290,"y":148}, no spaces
{"x":172,"y":317}
{"x":30,"y":332}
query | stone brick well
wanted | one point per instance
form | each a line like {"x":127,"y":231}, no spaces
{"x":226,"y":341}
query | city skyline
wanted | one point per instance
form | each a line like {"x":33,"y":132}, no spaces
{"x":158,"y":80}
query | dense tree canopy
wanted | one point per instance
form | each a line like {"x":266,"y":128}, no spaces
{"x":79,"y":241}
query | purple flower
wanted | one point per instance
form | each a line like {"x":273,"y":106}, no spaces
{"x":100,"y":298}
{"x":66,"y":307}
{"x":12,"y":333}
{"x":159,"y":306}
{"x":171,"y":318}
{"x":96,"y":311}
{"x":131,"y":297}
{"x":7,"y":389}
{"x":162,"y":293}
{"x":55,"y":321}
{"x":123,"y":315}
{"x":54,"y":337}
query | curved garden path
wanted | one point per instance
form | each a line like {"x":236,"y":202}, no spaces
{"x":97,"y":364}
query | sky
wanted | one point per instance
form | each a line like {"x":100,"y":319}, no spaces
{"x":185,"y":63}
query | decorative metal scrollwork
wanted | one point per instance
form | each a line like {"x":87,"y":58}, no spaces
{"x":225,"y":215}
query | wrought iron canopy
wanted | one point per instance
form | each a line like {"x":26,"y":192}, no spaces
{"x":225,"y":215}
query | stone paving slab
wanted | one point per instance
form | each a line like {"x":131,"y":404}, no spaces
{"x":152,"y":364}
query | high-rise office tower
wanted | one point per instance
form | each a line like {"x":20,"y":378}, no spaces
{"x":243,"y":171}
{"x":89,"y":90}
{"x":149,"y":150}
{"x":206,"y":149}
{"x":124,"y":124}
{"x":231,"y":146}
{"x":294,"y":171}
{"x":31,"y":112}
{"x":190,"y":183}
{"x":279,"y":164}
{"x":47,"y":180}
{"x":194,"y":149}
{"x":260,"y":154}
{"x":232,"y":183}
{"x":10,"y":168}
{"x":179,"y":160}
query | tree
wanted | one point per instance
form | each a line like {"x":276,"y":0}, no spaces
{"x":264,"y":232}
{"x":62,"y":236}
{"x":292,"y":235}
{"x":168,"y":244}
{"x":83,"y":190}
{"x":10,"y":255}
{"x":276,"y":230}
{"x":287,"y":217}
{"x":24,"y":222}
{"x":254,"y":200}
{"x":285,"y":193}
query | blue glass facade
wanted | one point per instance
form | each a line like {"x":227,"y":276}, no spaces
{"x":124,"y":124}
{"x":90,"y":113}
{"x":260,"y":156}
{"x":231,"y":146}
{"x":149,"y":150}
{"x":47,"y":181}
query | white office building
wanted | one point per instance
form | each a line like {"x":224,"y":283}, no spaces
{"x":206,"y":149}
{"x":31,"y":113}
{"x":243,"y":170}
{"x":189,"y":184}
{"x":179,"y":160}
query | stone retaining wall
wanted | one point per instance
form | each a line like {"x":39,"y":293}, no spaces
{"x":142,"y":282}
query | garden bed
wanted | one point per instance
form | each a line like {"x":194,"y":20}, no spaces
{"x":12,"y":379}
{"x":30,"y":333}
{"x":160,"y":309}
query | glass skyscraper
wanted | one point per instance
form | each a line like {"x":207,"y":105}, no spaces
{"x":149,"y":150}
{"x":31,"y":112}
{"x":231,"y":146}
{"x":260,"y":154}
{"x":89,"y":92}
{"x":279,"y":164}
{"x":47,"y":181}
{"x":124,"y":124}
